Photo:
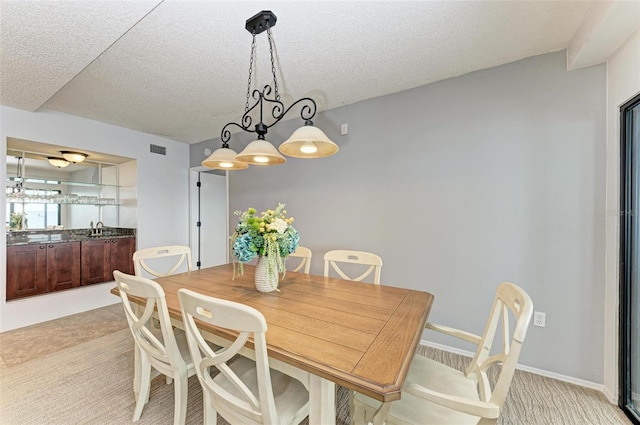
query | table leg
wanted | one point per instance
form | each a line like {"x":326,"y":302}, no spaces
{"x":322,"y":401}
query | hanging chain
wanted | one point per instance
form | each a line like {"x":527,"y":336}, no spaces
{"x":273,"y":65}
{"x":253,"y":52}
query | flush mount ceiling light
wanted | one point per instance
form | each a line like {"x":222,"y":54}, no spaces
{"x":74,"y":157}
{"x":306,"y":142}
{"x":58,"y":162}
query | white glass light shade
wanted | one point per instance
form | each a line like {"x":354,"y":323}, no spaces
{"x":224,"y":159}
{"x":58,"y":162}
{"x":308,"y":142}
{"x":261,"y":152}
{"x":74,"y":156}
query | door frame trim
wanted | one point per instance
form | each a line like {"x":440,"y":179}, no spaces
{"x":625,"y":264}
{"x":194,"y":214}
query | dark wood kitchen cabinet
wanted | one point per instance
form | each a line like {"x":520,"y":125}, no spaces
{"x":37,"y":269}
{"x":26,"y":271}
{"x":101,"y":257}
{"x":122,"y":250}
{"x":63,"y":266}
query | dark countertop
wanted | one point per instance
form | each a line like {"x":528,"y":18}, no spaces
{"x":35,"y":237}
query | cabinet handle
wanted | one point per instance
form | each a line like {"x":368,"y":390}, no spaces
{"x":113,"y":241}
{"x":106,"y":241}
{"x":42,"y":246}
{"x":50,"y":246}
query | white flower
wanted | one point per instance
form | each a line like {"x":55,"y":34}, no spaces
{"x":280,"y":225}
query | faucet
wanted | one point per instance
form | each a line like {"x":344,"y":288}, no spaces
{"x":92,"y":231}
{"x":99,"y":226}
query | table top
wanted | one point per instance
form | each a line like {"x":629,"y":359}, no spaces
{"x":359,"y":335}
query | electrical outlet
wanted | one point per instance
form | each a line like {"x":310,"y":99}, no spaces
{"x":539,"y":319}
{"x":344,"y":129}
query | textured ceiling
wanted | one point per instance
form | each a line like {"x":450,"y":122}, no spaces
{"x":179,"y":68}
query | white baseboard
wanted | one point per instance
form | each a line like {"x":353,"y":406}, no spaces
{"x":613,"y":398}
{"x":553,"y":375}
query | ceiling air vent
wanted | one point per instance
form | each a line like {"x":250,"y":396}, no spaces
{"x":161,"y":150}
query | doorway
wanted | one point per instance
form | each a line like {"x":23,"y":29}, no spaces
{"x":630,"y":259}
{"x":208,"y":227}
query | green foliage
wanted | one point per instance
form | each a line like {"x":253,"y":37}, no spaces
{"x":269,"y":234}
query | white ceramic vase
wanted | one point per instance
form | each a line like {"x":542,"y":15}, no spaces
{"x":265,"y":281}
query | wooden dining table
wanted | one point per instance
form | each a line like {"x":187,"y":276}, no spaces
{"x":323,"y":331}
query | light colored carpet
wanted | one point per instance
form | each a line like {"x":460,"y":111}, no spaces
{"x":91,"y":383}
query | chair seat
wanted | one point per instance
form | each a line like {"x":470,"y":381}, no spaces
{"x":442,"y":378}
{"x":183,"y":346}
{"x":181,"y":341}
{"x":290,"y":396}
{"x":414,"y":410}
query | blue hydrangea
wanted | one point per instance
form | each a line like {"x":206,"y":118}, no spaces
{"x":289,"y":242}
{"x":242,"y":248}
{"x":295,"y":239}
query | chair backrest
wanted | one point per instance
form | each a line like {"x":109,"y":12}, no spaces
{"x":163,"y":354}
{"x":246,"y":321}
{"x":141,"y":260}
{"x":333,"y":258}
{"x":510,"y":298}
{"x":305,"y":255}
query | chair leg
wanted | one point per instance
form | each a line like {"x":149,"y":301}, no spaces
{"x":357,"y":413}
{"x":352,"y":407}
{"x":145,"y":384}
{"x":136,"y":370}
{"x":210,"y":414}
{"x":180,"y":387}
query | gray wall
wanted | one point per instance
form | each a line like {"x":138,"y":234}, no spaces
{"x":497,"y":175}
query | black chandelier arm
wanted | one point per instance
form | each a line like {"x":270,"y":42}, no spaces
{"x":278,"y":112}
{"x":247,"y":119}
{"x":225,"y":135}
{"x":259,"y":96}
{"x":307,"y":111}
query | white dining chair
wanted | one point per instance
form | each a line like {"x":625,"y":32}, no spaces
{"x":438,"y":394}
{"x":333,"y":260}
{"x":304,"y":254}
{"x":160,"y":351}
{"x":162,"y":261}
{"x":242,"y":392}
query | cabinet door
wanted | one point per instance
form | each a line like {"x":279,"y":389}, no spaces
{"x":26,"y":271}
{"x":95,"y":261}
{"x":63,"y":266}
{"x":122,"y":250}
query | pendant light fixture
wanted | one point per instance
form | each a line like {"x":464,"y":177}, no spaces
{"x":306,"y":142}
{"x":224,"y":159}
{"x":19,"y":187}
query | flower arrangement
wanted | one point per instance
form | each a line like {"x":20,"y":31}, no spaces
{"x":18,"y":221}
{"x":269,"y":234}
